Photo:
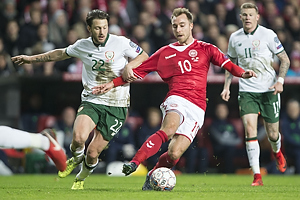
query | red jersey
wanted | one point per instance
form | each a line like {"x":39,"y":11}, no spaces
{"x":184,"y":68}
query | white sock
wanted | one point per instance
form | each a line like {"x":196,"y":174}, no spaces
{"x":78,"y":154}
{"x":276,"y":145}
{"x":253,"y":152}
{"x":18,"y":139}
{"x":85,"y":170}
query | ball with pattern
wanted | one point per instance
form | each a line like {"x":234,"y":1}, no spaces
{"x":163,"y":179}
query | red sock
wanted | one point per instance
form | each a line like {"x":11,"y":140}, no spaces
{"x":150,"y":147}
{"x":165,"y":161}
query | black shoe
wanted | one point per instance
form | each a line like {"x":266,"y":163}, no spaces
{"x":147,"y":185}
{"x":129,"y":168}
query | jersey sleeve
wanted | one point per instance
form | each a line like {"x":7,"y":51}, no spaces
{"x":217,"y":56}
{"x":131,"y":49}
{"x":231,"y":50}
{"x":72,"y":49}
{"x":147,"y":66}
{"x":274,"y":43}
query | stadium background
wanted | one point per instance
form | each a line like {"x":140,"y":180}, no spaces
{"x":36,"y":26}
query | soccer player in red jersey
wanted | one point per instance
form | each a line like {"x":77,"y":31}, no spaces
{"x":183,"y":65}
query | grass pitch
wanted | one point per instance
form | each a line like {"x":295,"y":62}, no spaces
{"x":188,"y":187}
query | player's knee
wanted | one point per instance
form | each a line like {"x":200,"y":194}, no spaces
{"x":78,"y":139}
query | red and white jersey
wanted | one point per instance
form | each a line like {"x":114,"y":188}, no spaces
{"x":184,"y":68}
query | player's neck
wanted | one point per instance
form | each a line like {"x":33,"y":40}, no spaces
{"x":251,"y":30}
{"x":187,"y":42}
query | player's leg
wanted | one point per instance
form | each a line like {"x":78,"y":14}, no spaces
{"x":83,"y":126}
{"x":252,"y":146}
{"x":18,"y":139}
{"x":193,"y":120}
{"x":275,"y":141}
{"x":270,"y":113}
{"x":90,"y":162}
{"x":152,"y":145}
{"x":178,"y":145}
{"x":249,"y":109}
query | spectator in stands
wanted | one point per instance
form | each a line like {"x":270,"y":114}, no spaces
{"x":43,"y":44}
{"x":6,"y":67}
{"x":150,"y":125}
{"x":117,"y":8}
{"x":232,"y":16}
{"x":290,"y":128}
{"x":294,"y":27}
{"x":8,"y":13}
{"x":71,"y":65}
{"x":59,"y":26}
{"x":199,"y":17}
{"x":224,"y":137}
{"x":294,"y":70}
{"x":31,"y":112}
{"x":29,"y":31}
{"x":221,"y":12}
{"x":64,"y":129}
{"x":79,"y":25}
{"x":12,"y":39}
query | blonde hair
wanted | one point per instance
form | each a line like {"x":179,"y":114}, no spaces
{"x":249,"y":5}
{"x":179,"y":11}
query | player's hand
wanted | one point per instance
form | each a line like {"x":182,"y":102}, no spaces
{"x":101,"y":89}
{"x":128,"y":75}
{"x":278,"y":88}
{"x":22,"y":59}
{"x":225,"y":94}
{"x":249,"y":74}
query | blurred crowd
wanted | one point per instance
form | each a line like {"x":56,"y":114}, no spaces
{"x":36,"y":26}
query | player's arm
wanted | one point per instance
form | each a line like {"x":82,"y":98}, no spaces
{"x":284,"y":66}
{"x":128,"y":70}
{"x":54,"y":55}
{"x":225,"y":94}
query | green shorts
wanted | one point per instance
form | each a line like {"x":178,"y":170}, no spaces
{"x":108,"y":119}
{"x":266,"y":104}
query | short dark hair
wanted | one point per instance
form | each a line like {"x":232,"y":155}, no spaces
{"x":96,"y":14}
{"x":179,"y":11}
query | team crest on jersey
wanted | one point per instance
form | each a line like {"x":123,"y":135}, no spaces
{"x":193,"y":53}
{"x":110,"y":55}
{"x":255,"y":44}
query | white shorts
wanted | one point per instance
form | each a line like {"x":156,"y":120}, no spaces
{"x":191,"y":116}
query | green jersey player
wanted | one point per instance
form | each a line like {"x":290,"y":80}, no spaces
{"x":104,"y":57}
{"x":253,"y":48}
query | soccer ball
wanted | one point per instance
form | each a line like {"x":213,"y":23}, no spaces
{"x":163,"y":179}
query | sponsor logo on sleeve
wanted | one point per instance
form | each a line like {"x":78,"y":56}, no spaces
{"x":279,"y":46}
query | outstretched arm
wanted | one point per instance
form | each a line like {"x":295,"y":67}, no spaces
{"x":128,"y":70}
{"x":100,"y":89}
{"x":236,"y":71}
{"x":54,"y":55}
{"x":225,"y":94}
{"x":284,"y":66}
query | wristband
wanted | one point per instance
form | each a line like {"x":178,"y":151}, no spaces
{"x":280,"y":80}
{"x":118,"y":81}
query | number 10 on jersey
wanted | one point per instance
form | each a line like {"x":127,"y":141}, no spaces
{"x":185,"y":66}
